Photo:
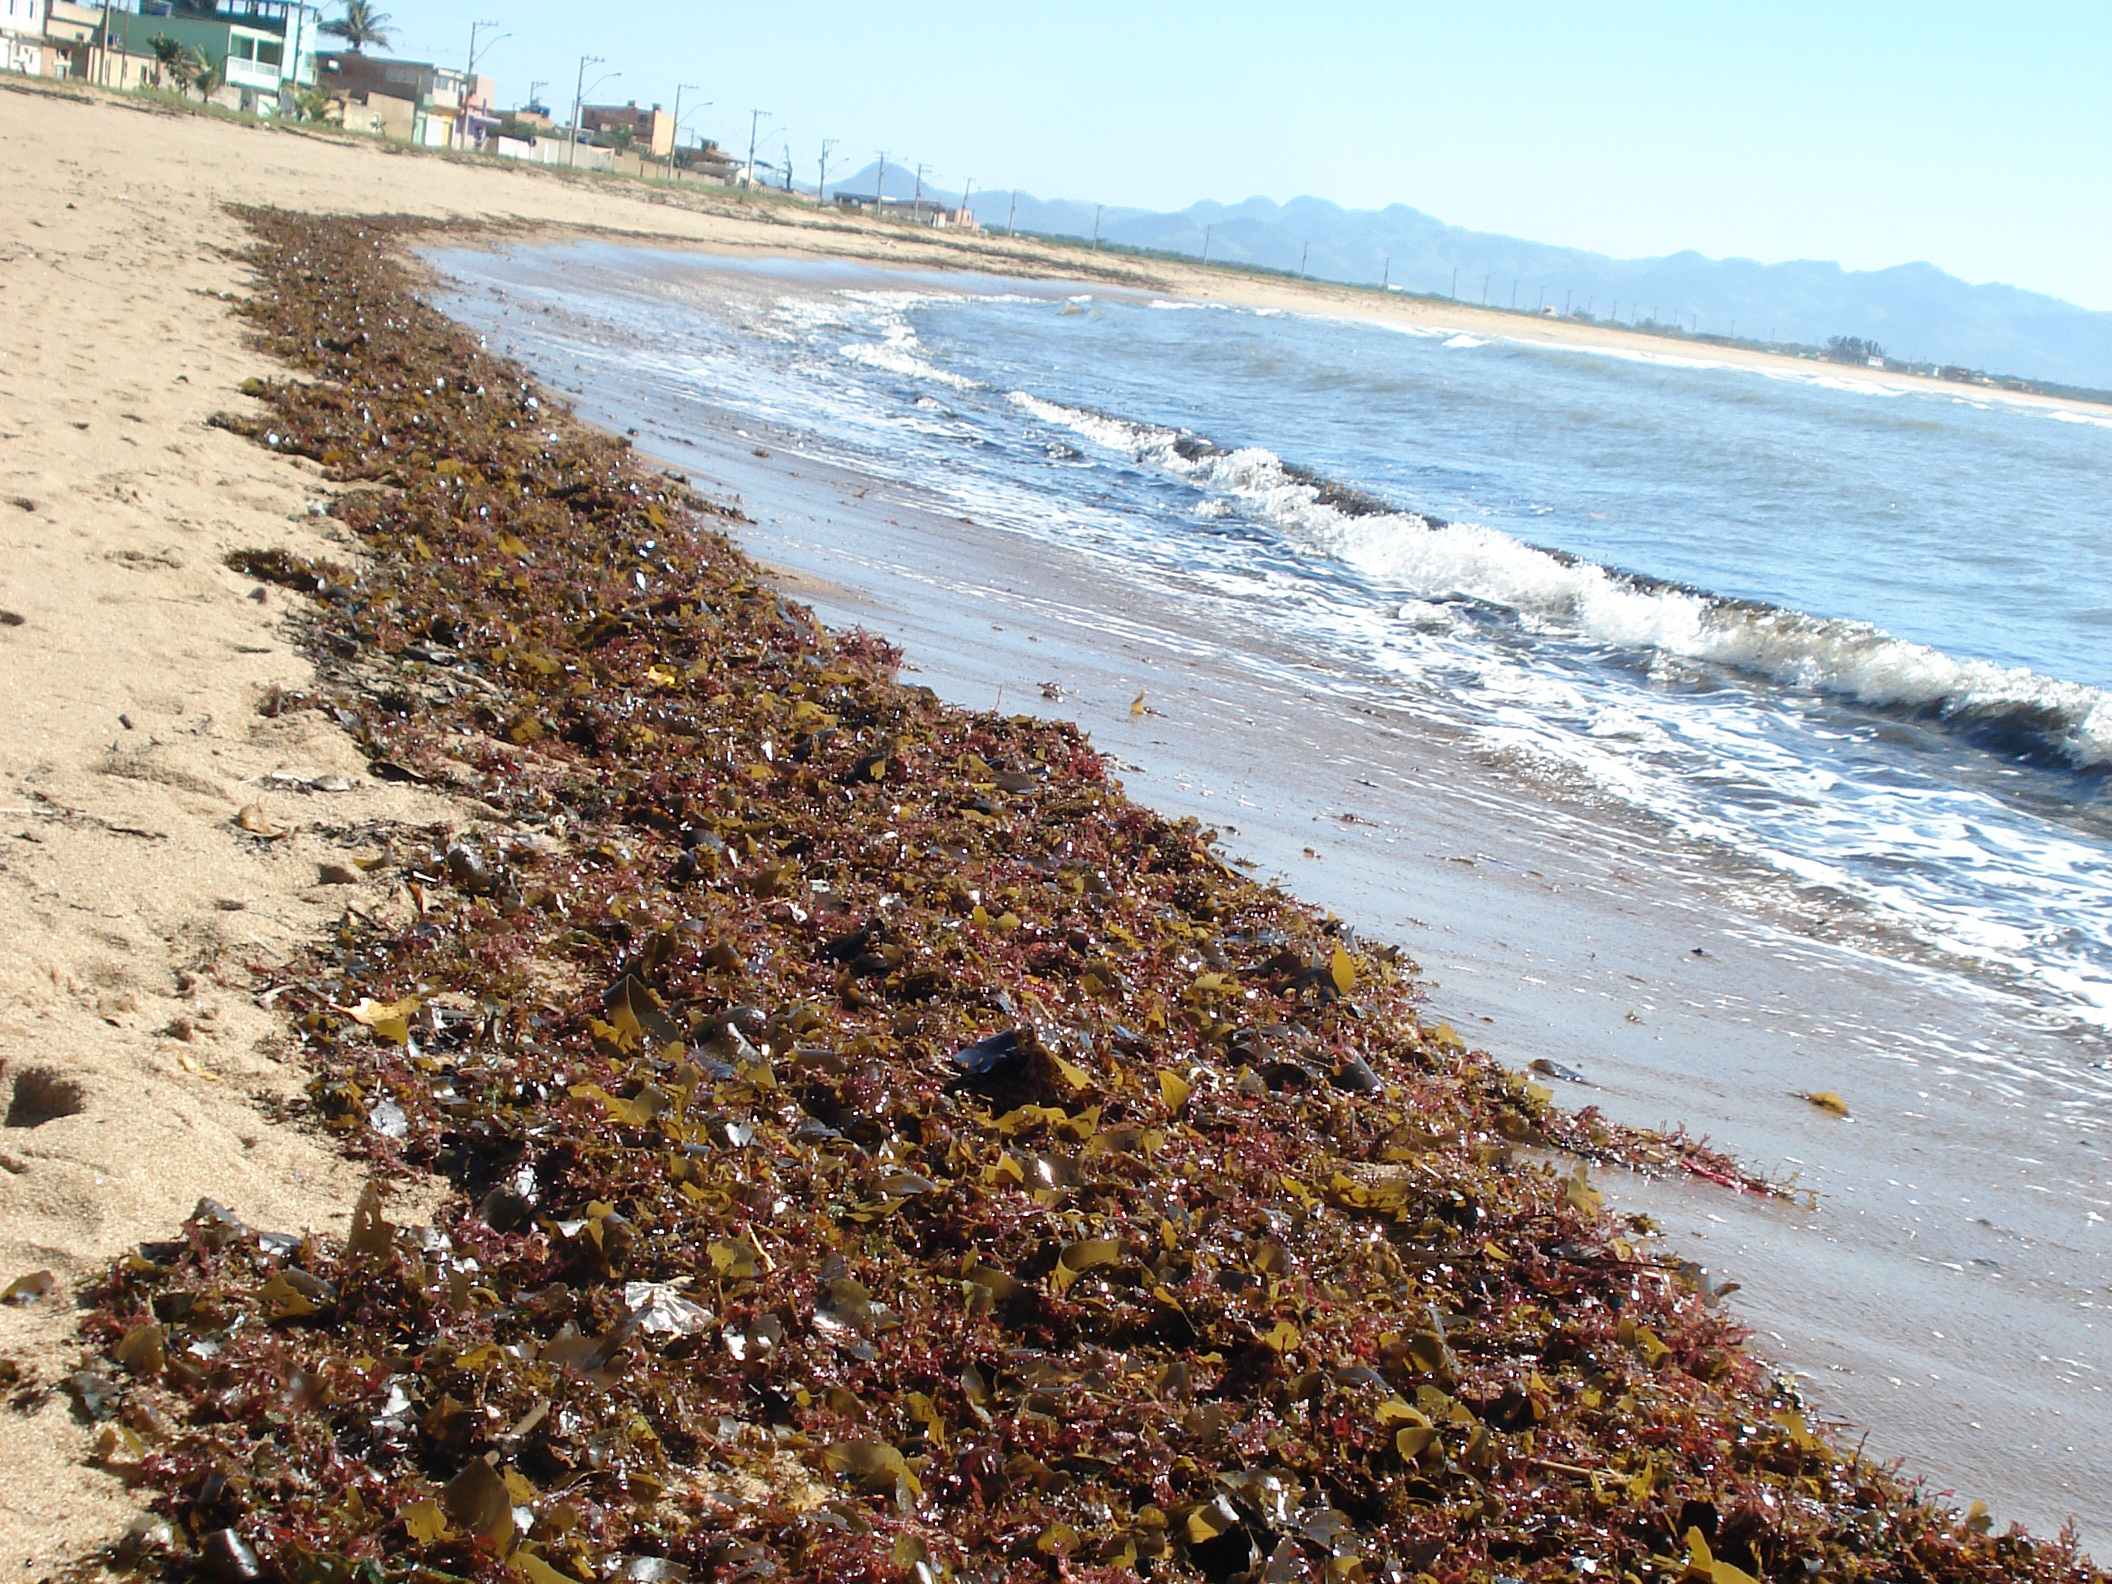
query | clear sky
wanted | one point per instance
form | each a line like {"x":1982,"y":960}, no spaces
{"x":1978,"y":137}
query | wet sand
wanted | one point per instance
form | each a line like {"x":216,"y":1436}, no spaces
{"x":1966,"y":1338}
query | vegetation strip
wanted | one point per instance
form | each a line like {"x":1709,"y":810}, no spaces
{"x":877,"y":1148}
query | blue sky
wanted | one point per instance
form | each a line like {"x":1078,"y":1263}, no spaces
{"x":1975,"y":137}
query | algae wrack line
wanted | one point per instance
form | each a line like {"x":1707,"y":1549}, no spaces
{"x":879,"y":1148}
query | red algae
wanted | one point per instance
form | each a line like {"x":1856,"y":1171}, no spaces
{"x":876,"y":1148}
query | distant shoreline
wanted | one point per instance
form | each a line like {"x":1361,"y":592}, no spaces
{"x":1215,"y":283}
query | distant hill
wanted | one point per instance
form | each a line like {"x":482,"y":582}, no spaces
{"x":1915,"y":311}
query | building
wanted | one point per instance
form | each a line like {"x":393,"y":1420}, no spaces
{"x":650,"y":132}
{"x":22,"y":36}
{"x":74,"y":49}
{"x":410,"y":101}
{"x":916,"y":211}
{"x":263,"y":50}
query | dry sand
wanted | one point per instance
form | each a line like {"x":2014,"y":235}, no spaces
{"x":139,"y":921}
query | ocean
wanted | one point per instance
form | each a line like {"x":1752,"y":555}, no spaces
{"x":1715,"y":734}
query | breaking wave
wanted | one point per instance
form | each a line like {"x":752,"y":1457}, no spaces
{"x":2008,"y":710}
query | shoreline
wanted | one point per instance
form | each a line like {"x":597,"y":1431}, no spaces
{"x":357,"y":1052}
{"x":1315,"y":1081}
{"x":1555,"y":901}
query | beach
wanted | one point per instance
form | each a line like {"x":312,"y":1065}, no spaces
{"x":173,"y":836}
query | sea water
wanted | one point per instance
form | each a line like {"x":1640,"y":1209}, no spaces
{"x":1825,"y":657}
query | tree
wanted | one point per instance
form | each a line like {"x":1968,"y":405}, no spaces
{"x":360,"y":26}
{"x":1852,"y":349}
{"x":312,"y":104}
{"x":173,"y":60}
{"x":205,"y":76}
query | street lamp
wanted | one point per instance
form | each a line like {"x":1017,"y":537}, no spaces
{"x":579,"y":99}
{"x":677,"y":138}
{"x":469,"y":75}
{"x":755,"y":118}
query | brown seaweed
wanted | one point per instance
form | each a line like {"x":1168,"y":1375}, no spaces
{"x":877,"y":1148}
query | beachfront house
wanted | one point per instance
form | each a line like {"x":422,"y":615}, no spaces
{"x":75,"y":49}
{"x":649,"y":132}
{"x":22,"y":36}
{"x":918,"y":211}
{"x":263,"y":51}
{"x":65,"y":39}
{"x":410,"y":101}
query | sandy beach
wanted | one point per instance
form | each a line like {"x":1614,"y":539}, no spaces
{"x":170,"y":831}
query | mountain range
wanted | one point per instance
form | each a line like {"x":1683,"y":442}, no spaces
{"x":1916,"y":312}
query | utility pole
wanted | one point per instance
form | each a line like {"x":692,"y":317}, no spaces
{"x":677,"y":138}
{"x":1565,"y":302}
{"x":1386,"y":272}
{"x":1484,"y":291}
{"x":916,"y":199}
{"x":1012,"y":214}
{"x":579,"y":94}
{"x":821,"y":184}
{"x":1303,"y":249}
{"x":102,"y":74}
{"x":755,"y":119}
{"x":474,"y":29}
{"x":1455,"y":283}
{"x":961,"y":213}
{"x":880,"y":185}
{"x":1206,"y":244}
{"x":1514,"y":294}
{"x":788,"y":164}
{"x":1097,"y":210}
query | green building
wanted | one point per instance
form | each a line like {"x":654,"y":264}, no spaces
{"x":264,"y":50}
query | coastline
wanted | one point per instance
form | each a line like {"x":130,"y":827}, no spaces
{"x":115,"y":1226}
{"x":1539,"y":924}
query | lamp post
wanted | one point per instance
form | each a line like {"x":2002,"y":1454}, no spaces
{"x":677,"y":138}
{"x":755,"y":119}
{"x":579,"y":99}
{"x":469,"y":76}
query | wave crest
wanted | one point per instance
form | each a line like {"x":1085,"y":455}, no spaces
{"x":2011,"y":710}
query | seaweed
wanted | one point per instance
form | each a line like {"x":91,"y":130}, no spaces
{"x":876,"y":1148}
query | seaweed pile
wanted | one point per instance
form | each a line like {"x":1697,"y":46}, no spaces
{"x":876,"y":1148}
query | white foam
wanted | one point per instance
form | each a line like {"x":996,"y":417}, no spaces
{"x":1462,"y":339}
{"x":1844,"y":659}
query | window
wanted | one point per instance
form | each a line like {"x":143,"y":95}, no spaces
{"x":270,"y":53}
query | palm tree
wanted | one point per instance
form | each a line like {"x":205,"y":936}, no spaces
{"x":360,"y":26}
{"x":205,"y":76}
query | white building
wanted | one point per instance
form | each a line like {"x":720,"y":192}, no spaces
{"x":22,"y":36}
